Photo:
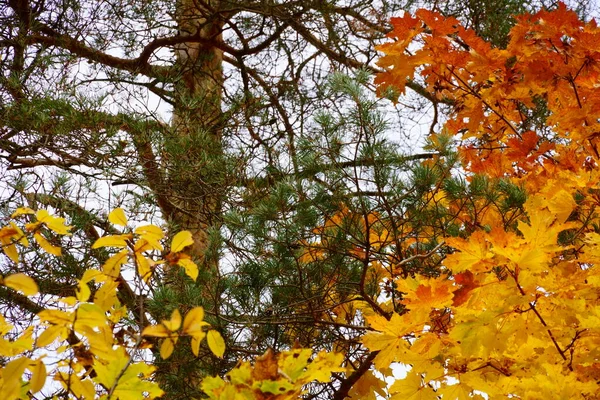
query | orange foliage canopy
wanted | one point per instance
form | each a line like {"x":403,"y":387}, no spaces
{"x":521,"y":315}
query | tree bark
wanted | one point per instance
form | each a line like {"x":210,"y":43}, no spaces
{"x":195,"y":148}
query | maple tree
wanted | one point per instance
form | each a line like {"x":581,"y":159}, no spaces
{"x":516,"y":313}
{"x":479,"y":280}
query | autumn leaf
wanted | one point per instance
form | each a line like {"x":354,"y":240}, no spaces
{"x":10,"y":386}
{"x":190,"y":267}
{"x":20,"y":282}
{"x":126,"y":380}
{"x":152,"y":235}
{"x":117,"y":217}
{"x":38,"y":376}
{"x":388,"y":337}
{"x":46,"y":245}
{"x":181,"y":240}
{"x":215,"y":342}
{"x":112,"y":241}
{"x":474,"y":254}
{"x":412,"y":388}
{"x":55,"y":224}
{"x":466,"y":283}
{"x":112,"y":266}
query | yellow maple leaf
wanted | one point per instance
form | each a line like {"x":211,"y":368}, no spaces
{"x":368,"y":387}
{"x":412,"y":387}
{"x":474,"y":254}
{"x":458,"y":391}
{"x":389,"y":338}
{"x":429,"y":294}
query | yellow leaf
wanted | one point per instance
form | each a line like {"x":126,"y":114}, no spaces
{"x":167,"y":347}
{"x":112,"y":241}
{"x":156,"y":331}
{"x":5,"y":327}
{"x":194,"y":321}
{"x":9,"y":235}
{"x":212,"y":385}
{"x":22,"y":211}
{"x":21,"y":282}
{"x":430,"y":293}
{"x":181,"y":241}
{"x":89,"y":315}
{"x":106,"y":296}
{"x":128,"y":380}
{"x":458,"y":391}
{"x":190,"y":267}
{"x":216,"y":344}
{"x":57,"y":317}
{"x":143,"y":267}
{"x":412,"y":388}
{"x":82,"y":389}
{"x":152,"y":234}
{"x":117,"y":217}
{"x":388,"y":338}
{"x":196,"y":340}
{"x":175,"y":322}
{"x":166,"y":327}
{"x":112,"y":266}
{"x":562,"y":205}
{"x":19,"y":235}
{"x":10,"y":250}
{"x":368,"y":387}
{"x":322,"y":366}
{"x":83,"y":291}
{"x":38,"y":376}
{"x":45,"y":244}
{"x":18,"y":346}
{"x":11,"y":375}
{"x":50,"y":334}
{"x":473,"y":256}
{"x":56,"y":224}
{"x":143,"y":245}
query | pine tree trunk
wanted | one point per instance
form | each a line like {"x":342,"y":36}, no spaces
{"x":194,"y":171}
{"x":194,"y":181}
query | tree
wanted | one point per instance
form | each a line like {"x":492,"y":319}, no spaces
{"x":319,"y":219}
{"x":232,"y":138}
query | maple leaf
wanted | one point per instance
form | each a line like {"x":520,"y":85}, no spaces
{"x":474,"y":254}
{"x":412,"y":387}
{"x":388,"y":337}
{"x":466,"y":281}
